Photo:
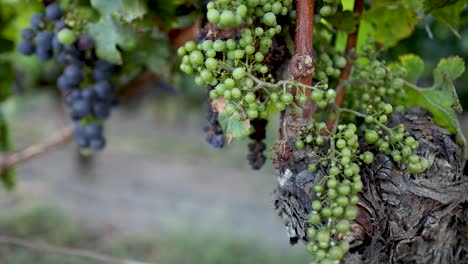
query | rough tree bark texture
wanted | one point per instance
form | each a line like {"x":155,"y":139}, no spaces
{"x":403,"y":218}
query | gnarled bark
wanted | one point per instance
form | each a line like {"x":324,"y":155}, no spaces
{"x":403,"y":218}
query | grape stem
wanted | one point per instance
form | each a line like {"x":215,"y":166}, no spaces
{"x":303,"y":45}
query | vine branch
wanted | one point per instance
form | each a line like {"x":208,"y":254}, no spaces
{"x":43,"y":247}
{"x":9,"y":160}
{"x":350,"y":48}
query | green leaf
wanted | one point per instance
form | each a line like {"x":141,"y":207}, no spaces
{"x":109,"y":33}
{"x":430,"y":5}
{"x":344,"y":21}
{"x":441,"y":99}
{"x":233,"y":127}
{"x":133,"y":9}
{"x":152,"y":51}
{"x":106,"y":7}
{"x":414,"y":65}
{"x":7,"y":176}
{"x":451,"y":16}
{"x":6,"y":80}
{"x":6,"y":45}
{"x":391,"y":21}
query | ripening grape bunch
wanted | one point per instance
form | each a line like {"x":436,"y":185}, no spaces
{"x":85,"y":81}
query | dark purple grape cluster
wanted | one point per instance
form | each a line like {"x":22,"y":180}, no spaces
{"x":85,"y":80}
{"x":214,"y":131}
{"x":257,"y":147}
{"x":37,"y":39}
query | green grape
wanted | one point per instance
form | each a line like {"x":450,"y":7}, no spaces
{"x":219,"y":45}
{"x":332,"y":183}
{"x":371,"y":136}
{"x":190,"y":46}
{"x":302,"y":99}
{"x":314,"y":218}
{"x":330,"y":95}
{"x":317,"y":95}
{"x":227,"y":19}
{"x":211,"y":63}
{"x":277,"y":8}
{"x":196,"y":58}
{"x":368,"y":157}
{"x":350,"y":212}
{"x":287,"y":98}
{"x":335,"y":253}
{"x":326,"y":212}
{"x":236,"y":92}
{"x":269,"y":19}
{"x":230,"y":83}
{"x":317,"y":205}
{"x":242,"y":11}
{"x":252,"y":114}
{"x":229,"y":109}
{"x":213,"y":16}
{"x":299,"y":144}
{"x":238,"y":73}
{"x":354,"y":200}
{"x":323,"y":236}
{"x":220,"y":88}
{"x":337,"y":211}
{"x":340,"y":62}
{"x":325,"y":11}
{"x":274,"y":97}
{"x":66,"y":36}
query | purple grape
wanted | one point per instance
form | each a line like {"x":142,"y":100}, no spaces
{"x":93,"y":130}
{"x":63,"y":84}
{"x":97,"y":143}
{"x":104,"y":90}
{"x":37,"y":21}
{"x":26,"y":47}
{"x":53,"y":12}
{"x":44,"y":54}
{"x":44,"y":40}
{"x":88,"y":94}
{"x":101,"y":110}
{"x":27,"y":34}
{"x":73,"y":73}
{"x":59,"y":25}
{"x":81,"y":107}
{"x":85,"y":42}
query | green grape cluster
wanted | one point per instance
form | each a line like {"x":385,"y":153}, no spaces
{"x":394,"y":142}
{"x":336,"y":194}
{"x":328,"y":65}
{"x":329,"y":8}
{"x":238,"y":67}
{"x":375,"y":83}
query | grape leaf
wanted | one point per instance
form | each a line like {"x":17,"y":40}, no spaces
{"x":414,"y":65}
{"x":6,"y":176}
{"x":344,"y":21}
{"x":152,"y":51}
{"x":441,"y":99}
{"x":430,"y":5}
{"x":109,"y":33}
{"x":233,"y":127}
{"x":106,"y":7}
{"x":133,"y":9}
{"x":450,"y":16}
{"x":391,"y":21}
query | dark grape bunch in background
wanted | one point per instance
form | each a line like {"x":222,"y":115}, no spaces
{"x":257,"y":147}
{"x":214,"y":131}
{"x":85,"y":80}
